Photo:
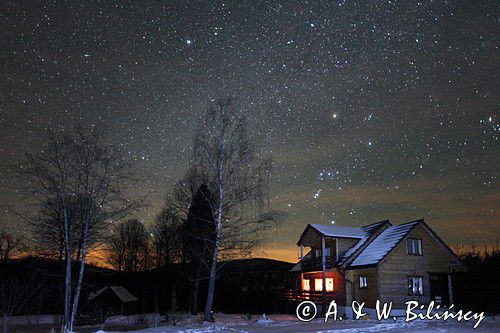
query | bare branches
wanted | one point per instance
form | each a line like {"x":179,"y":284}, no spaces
{"x":11,"y":245}
{"x":226,"y":158}
{"x":76,"y":187}
{"x":128,"y":246}
{"x":237,"y":177}
{"x":166,"y":240}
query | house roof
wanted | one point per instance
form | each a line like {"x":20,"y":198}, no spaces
{"x":378,"y":241}
{"x":339,"y":231}
{"x":331,"y":231}
{"x":369,"y":231}
{"x":383,"y":244}
{"x":123,"y":294}
{"x":363,"y":234}
{"x":298,"y":266}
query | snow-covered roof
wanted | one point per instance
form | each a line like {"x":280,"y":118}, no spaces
{"x":123,"y":294}
{"x":369,"y":230}
{"x":339,"y":231}
{"x":383,"y":244}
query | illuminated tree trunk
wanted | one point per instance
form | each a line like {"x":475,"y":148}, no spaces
{"x":213,"y":268}
{"x":82,"y":267}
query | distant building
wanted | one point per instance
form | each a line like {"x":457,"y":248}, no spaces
{"x":375,"y":262}
{"x":110,"y":300}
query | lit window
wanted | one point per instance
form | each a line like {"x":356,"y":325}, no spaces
{"x":318,"y":284}
{"x":414,"y":246}
{"x":306,"y":285}
{"x":415,"y":286}
{"x":363,"y":282}
{"x":329,"y":284}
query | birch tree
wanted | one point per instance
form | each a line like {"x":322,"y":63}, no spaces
{"x":84,"y":178}
{"x":237,"y":175}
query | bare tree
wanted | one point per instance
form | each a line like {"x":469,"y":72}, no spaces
{"x":81,"y":180}
{"x":128,"y":246}
{"x":11,"y":245}
{"x":48,"y":228}
{"x":166,"y":244}
{"x":18,"y":291}
{"x":165,"y":237}
{"x":237,"y":176}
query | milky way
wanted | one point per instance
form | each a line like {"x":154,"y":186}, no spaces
{"x":371,"y":110}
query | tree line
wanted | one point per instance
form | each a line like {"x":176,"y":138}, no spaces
{"x":77,"y":190}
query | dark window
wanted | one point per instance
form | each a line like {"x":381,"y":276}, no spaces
{"x":414,"y":246}
{"x":415,"y":286}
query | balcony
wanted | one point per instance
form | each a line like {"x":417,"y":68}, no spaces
{"x":313,"y":296}
{"x":314,"y":264}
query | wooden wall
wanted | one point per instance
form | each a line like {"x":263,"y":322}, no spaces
{"x":397,"y":266}
{"x":338,"y":283}
{"x":368,"y":295}
{"x":344,"y":244}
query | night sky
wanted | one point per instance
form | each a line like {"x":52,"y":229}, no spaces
{"x":371,"y":110}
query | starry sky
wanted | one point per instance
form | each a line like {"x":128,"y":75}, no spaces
{"x":372,"y":110}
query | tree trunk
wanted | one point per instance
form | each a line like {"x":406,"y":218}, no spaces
{"x":213,"y":268}
{"x":67,"y":294}
{"x":80,"y":275}
{"x":196,"y":284}
{"x":211,"y":285}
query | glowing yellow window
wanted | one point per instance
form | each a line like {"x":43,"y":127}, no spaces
{"x":329,"y":284}
{"x":306,"y":286}
{"x":318,"y":284}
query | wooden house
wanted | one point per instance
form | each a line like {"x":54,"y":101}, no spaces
{"x":380,"y":261}
{"x":110,"y":300}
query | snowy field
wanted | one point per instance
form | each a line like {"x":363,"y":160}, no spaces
{"x":288,"y":323}
{"x":274,"y":323}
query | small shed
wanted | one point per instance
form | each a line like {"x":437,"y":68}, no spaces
{"x":111,"y":300}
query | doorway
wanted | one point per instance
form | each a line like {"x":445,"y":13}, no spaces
{"x":439,"y":289}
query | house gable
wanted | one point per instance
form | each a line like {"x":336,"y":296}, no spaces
{"x":397,"y":266}
{"x":430,"y":240}
{"x":382,"y":245}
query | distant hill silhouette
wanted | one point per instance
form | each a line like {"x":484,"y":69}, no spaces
{"x":241,"y":281}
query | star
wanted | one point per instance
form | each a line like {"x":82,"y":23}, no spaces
{"x":357,"y":115}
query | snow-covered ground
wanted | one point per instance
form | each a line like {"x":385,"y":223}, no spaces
{"x":242,"y":324}
{"x":288,"y":323}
